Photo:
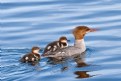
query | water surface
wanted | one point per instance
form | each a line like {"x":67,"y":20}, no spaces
{"x":27,"y":23}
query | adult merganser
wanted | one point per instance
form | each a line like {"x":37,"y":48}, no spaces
{"x":32,"y":57}
{"x":56,"y":45}
{"x":79,"y":46}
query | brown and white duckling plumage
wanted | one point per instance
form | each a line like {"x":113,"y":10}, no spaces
{"x":53,"y":46}
{"x":31,"y":57}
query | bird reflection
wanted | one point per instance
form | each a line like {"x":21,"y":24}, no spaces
{"x":64,"y":68}
{"x":63,"y":62}
{"x":82,"y":74}
{"x":79,"y":59}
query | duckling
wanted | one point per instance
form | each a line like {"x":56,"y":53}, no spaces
{"x":53,"y":46}
{"x":32,"y":57}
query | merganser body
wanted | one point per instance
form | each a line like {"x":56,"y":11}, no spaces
{"x":56,"y":45}
{"x":79,"y":45}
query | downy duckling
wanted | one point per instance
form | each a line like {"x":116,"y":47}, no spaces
{"x":53,"y":46}
{"x":32,"y":57}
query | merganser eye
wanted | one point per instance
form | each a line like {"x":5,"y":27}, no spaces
{"x":87,"y":29}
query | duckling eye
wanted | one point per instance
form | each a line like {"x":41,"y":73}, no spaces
{"x":64,"y":44}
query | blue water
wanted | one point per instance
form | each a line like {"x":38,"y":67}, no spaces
{"x":27,"y":23}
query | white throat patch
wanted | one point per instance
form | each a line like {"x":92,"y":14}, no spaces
{"x":80,"y":44}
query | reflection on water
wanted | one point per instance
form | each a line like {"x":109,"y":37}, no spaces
{"x":78,"y":59}
{"x":82,"y":74}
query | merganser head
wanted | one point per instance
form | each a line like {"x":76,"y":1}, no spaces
{"x":80,"y":31}
{"x":63,"y":40}
{"x":35,"y":50}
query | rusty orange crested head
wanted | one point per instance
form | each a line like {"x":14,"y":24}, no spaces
{"x":80,"y":31}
